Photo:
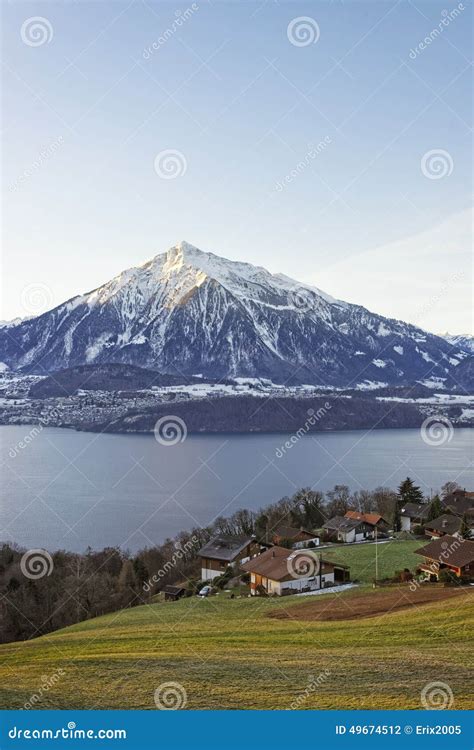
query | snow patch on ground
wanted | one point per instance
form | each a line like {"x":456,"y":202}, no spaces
{"x":370,"y":385}
{"x":398,"y":349}
{"x":379,"y":363}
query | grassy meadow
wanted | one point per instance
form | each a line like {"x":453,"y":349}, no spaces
{"x":226,"y":653}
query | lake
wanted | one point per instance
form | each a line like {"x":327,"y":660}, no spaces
{"x":63,"y":489}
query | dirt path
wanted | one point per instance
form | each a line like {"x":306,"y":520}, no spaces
{"x":356,"y":606}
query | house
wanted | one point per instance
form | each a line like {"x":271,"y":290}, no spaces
{"x":172,"y":593}
{"x":298,"y":537}
{"x":374,"y":520}
{"x":447,"y":553}
{"x":459,"y":502}
{"x":445,"y":524}
{"x":273,"y":572}
{"x":414,"y":514}
{"x":347,"y":530}
{"x":224,"y":550}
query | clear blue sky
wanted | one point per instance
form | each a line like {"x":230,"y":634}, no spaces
{"x":241,"y":103}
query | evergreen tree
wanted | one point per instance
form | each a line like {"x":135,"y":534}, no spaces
{"x":409,"y":492}
{"x":465,"y":530}
{"x":436,"y":508}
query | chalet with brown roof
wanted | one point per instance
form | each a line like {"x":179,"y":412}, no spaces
{"x":375,"y":520}
{"x":224,"y":550}
{"x":279,"y":571}
{"x":448,"y":553}
{"x":447,"y":523}
{"x":459,"y":502}
{"x":298,"y":537}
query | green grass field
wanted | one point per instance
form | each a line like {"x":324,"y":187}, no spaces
{"x":229,"y":654}
{"x":392,"y":556}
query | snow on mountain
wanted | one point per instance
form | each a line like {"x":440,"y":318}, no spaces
{"x":187,"y":311}
{"x":462,"y":341}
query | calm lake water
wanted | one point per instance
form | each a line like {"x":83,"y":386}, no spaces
{"x":69,"y":489}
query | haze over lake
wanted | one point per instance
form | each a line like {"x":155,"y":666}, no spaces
{"x":72,"y":490}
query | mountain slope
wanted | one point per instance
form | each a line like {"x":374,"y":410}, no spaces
{"x":191,"y":312}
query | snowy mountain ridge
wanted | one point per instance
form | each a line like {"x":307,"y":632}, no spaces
{"x":190,"y":312}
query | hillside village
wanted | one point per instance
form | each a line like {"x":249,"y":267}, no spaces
{"x":293,"y":560}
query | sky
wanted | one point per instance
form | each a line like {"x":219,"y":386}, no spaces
{"x":324,"y":140}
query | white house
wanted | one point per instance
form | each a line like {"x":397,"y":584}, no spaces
{"x":279,"y":571}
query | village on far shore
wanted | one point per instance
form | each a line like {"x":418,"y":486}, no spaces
{"x":292,"y":560}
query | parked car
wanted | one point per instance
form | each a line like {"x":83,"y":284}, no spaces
{"x":205,"y":591}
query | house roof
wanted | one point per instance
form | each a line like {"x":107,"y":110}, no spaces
{"x":288,"y":532}
{"x":173,"y":589}
{"x":341,"y":523}
{"x":449,"y":550}
{"x":459,"y":504}
{"x":276,"y":563}
{"x":371,"y":518}
{"x":225,"y":547}
{"x":415,"y":510}
{"x":447,"y":523}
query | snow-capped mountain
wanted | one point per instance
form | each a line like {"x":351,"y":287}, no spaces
{"x":461,"y":340}
{"x":195,"y":313}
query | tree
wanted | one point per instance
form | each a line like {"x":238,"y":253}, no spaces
{"x":409,"y":492}
{"x":436,"y":508}
{"x":448,"y":488}
{"x":465,"y":529}
{"x":338,"y":500}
